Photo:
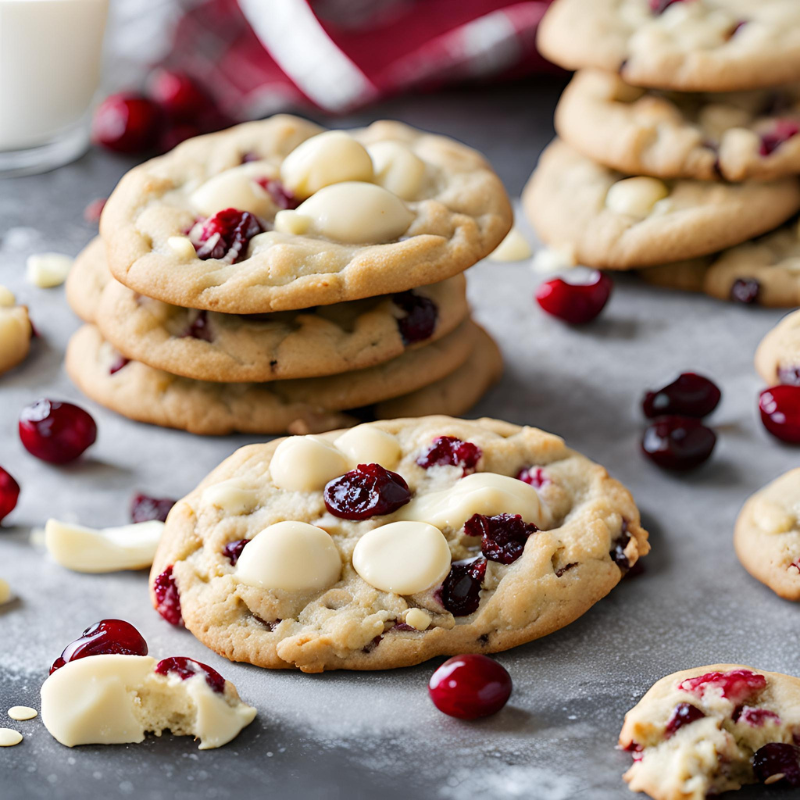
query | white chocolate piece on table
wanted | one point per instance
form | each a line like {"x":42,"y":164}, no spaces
{"x":366,"y":444}
{"x":514,"y":247}
{"x":290,"y":556}
{"x":84,"y":549}
{"x":9,"y":737}
{"x":22,"y":713}
{"x":235,"y":188}
{"x":306,"y":463}
{"x":636,"y":197}
{"x":397,"y":168}
{"x":47,"y":270}
{"x":231,"y":496}
{"x":15,"y":331}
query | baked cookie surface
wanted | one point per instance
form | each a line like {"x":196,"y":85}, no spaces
{"x":736,"y":136}
{"x":696,"y":732}
{"x":767,"y":535}
{"x":610,"y":221}
{"x":432,"y":547}
{"x":383,"y":211}
{"x":703,"y":45}
{"x":688,"y":276}
{"x":778,"y":354}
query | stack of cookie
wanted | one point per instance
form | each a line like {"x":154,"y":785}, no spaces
{"x":678,"y":143}
{"x":275,"y":277}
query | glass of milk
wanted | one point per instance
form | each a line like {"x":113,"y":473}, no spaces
{"x":50,"y":55}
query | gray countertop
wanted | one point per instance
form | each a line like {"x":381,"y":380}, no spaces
{"x":365,"y":735}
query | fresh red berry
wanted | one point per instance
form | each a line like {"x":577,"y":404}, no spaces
{"x":367,"y":491}
{"x":56,"y":432}
{"x":470,"y":687}
{"x":575,"y":303}
{"x":780,"y":412}
{"x":107,"y":637}
{"x":9,"y":494}
{"x":145,"y":508}
{"x":177,"y":94}
{"x":690,"y":394}
{"x":186,"y":668}
{"x":126,"y":123}
{"x":678,"y":443}
{"x":168,"y":598}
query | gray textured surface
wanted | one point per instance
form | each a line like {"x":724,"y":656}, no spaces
{"x":367,"y":735}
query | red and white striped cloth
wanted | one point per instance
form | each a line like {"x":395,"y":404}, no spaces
{"x":261,"y":56}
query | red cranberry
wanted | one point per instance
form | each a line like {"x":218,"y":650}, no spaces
{"x":176,"y":133}
{"x":177,"y":94}
{"x":780,"y":412}
{"x":746,"y":291}
{"x":145,"y":508}
{"x":684,"y":714}
{"x":56,"y":432}
{"x":233,"y":550}
{"x":756,"y":717}
{"x":93,"y":211}
{"x":737,"y":685}
{"x":126,"y":123}
{"x":367,"y":491}
{"x":200,"y":328}
{"x":470,"y":687}
{"x":461,"y":590}
{"x":533,"y":476}
{"x":689,"y":394}
{"x":280,"y":195}
{"x":782,"y":131}
{"x":420,"y":318}
{"x":576,"y":303}
{"x":9,"y":494}
{"x":225,"y":235}
{"x":618,"y":549}
{"x":107,"y":637}
{"x":503,"y":536}
{"x":119,"y":363}
{"x":448,"y":451}
{"x":168,"y":598}
{"x":660,"y":6}
{"x":186,"y":668}
{"x":778,"y":763}
{"x":789,"y":375}
{"x":678,"y":443}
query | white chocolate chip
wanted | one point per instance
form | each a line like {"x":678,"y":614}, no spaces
{"x":356,"y":213}
{"x":289,"y":221}
{"x":15,"y":336}
{"x":771,"y":517}
{"x":46,"y":270}
{"x":325,"y":159}
{"x":636,"y":197}
{"x":397,"y":168}
{"x":366,"y":444}
{"x":5,"y":591}
{"x":8,"y":737}
{"x":306,"y":463}
{"x":109,"y":550}
{"x":21,"y":713}
{"x":514,"y":247}
{"x":292,"y":556}
{"x":7,"y":299}
{"x":481,"y":493}
{"x":236,"y":188}
{"x":417,"y":618}
{"x":182,"y":246}
{"x":402,"y":557}
{"x":231,"y":496}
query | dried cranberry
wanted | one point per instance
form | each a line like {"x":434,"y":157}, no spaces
{"x":689,"y":394}
{"x":778,"y":763}
{"x":470,"y":687}
{"x":660,"y":6}
{"x":503,"y":536}
{"x":145,"y":508}
{"x":225,"y":235}
{"x":56,"y":432}
{"x":618,"y":546}
{"x":177,"y":94}
{"x":186,"y":668}
{"x":367,"y":491}
{"x":683,"y":714}
{"x":780,"y":412}
{"x":678,"y":443}
{"x":199,"y":328}
{"x":789,"y":375}
{"x":576,"y":303}
{"x":107,"y":637}
{"x":737,"y":685}
{"x":420,"y":318}
{"x":126,"y":123}
{"x":448,"y":451}
{"x":755,"y":717}
{"x":782,"y":131}
{"x":533,"y":476}
{"x":120,"y":363}
{"x":280,"y":195}
{"x":745,"y":291}
{"x":93,"y":211}
{"x":9,"y":494}
{"x":233,"y":550}
{"x":461,"y":590}
{"x":168,"y":598}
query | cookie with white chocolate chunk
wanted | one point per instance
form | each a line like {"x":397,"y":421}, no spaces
{"x":392,"y":543}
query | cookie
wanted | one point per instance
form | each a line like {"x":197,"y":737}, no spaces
{"x":87,"y":280}
{"x":688,"y":276}
{"x":215,"y":224}
{"x":15,"y":331}
{"x":696,"y":733}
{"x":767,"y":535}
{"x":778,"y":355}
{"x":735,"y":136}
{"x":451,"y":537}
{"x":611,"y":221}
{"x":149,"y":395}
{"x":699,"y":46}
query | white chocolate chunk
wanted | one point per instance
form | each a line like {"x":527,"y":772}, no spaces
{"x":417,"y":618}
{"x":217,"y":722}
{"x":356,"y":213}
{"x":7,"y":299}
{"x":107,"y":550}
{"x":306,"y":463}
{"x":8,"y":737}
{"x":15,"y":336}
{"x":325,"y":159}
{"x":481,"y":493}
{"x":636,"y":197}
{"x":5,"y":591}
{"x":236,"y":188}
{"x":289,"y":221}
{"x":366,"y":444}
{"x":46,"y":270}
{"x":21,"y":713}
{"x":402,"y":557}
{"x":182,"y":246}
{"x":514,"y":247}
{"x":771,"y":517}
{"x":397,"y":168}
{"x":292,"y":556}
{"x":231,"y":496}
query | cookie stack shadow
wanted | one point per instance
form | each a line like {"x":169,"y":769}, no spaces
{"x":687,"y":173}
